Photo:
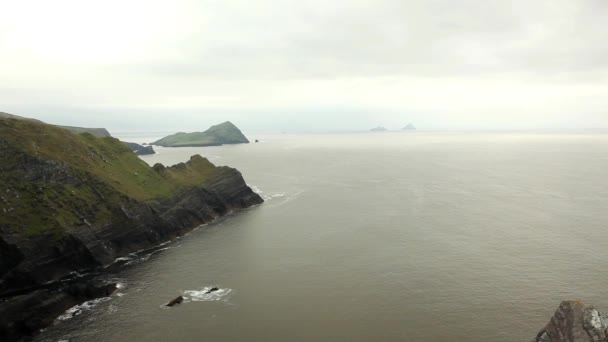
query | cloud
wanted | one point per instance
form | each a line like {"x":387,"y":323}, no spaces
{"x":442,"y":62}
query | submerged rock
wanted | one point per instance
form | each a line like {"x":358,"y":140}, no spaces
{"x":177,"y":300}
{"x":213,"y":289}
{"x":575,"y":322}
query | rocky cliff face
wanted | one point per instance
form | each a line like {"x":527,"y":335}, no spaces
{"x":74,"y":203}
{"x":575,"y":322}
{"x":139,"y":149}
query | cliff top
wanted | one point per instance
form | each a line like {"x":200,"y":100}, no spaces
{"x":98,"y":132}
{"x":49,"y":171}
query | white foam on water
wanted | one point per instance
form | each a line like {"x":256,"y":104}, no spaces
{"x":202,"y":295}
{"x":265,"y":196}
{"x":79,"y":309}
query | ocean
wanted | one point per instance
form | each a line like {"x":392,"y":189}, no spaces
{"x":397,"y":236}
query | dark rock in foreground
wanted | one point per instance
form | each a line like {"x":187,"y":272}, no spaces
{"x":575,"y":322}
{"x":23,"y":316}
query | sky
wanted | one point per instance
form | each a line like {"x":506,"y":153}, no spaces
{"x":293,"y":65}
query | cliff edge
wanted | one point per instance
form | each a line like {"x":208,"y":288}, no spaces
{"x":73,"y":203}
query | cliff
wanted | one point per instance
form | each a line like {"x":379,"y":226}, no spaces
{"x":222,"y":134}
{"x":98,"y":132}
{"x":575,"y":322}
{"x":74,"y":203}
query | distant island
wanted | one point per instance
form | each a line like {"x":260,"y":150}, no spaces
{"x":378,"y":129}
{"x":409,"y":127}
{"x":223,"y":134}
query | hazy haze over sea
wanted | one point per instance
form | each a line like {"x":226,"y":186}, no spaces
{"x":377,"y":237}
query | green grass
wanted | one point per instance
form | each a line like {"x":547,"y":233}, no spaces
{"x":225,"y":133}
{"x":52,"y":179}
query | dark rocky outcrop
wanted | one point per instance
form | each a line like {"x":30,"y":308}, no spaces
{"x":575,"y":322}
{"x":213,"y":289}
{"x":140,"y":150}
{"x":23,"y":316}
{"x":176,"y":301}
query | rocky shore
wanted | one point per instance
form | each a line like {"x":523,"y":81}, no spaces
{"x":77,"y":208}
{"x":573,"y":321}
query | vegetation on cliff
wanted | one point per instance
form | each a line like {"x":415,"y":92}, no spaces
{"x":48,"y":174}
{"x":222,"y":134}
{"x":98,"y":132}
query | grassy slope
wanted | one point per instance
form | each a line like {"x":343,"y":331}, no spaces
{"x":104,"y":163}
{"x":98,"y":132}
{"x":225,"y":133}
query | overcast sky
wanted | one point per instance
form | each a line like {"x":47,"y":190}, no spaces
{"x":314,"y":65}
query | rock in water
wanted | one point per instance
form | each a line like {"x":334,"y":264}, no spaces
{"x":213,"y":289}
{"x":140,"y":150}
{"x":22,"y":317}
{"x":575,"y":322}
{"x":177,"y":300}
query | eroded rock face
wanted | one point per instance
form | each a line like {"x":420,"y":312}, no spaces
{"x":23,"y":316}
{"x":575,"y":322}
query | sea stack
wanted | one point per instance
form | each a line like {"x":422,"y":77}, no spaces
{"x":409,"y":127}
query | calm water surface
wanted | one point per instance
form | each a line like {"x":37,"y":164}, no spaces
{"x":377,"y":237}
